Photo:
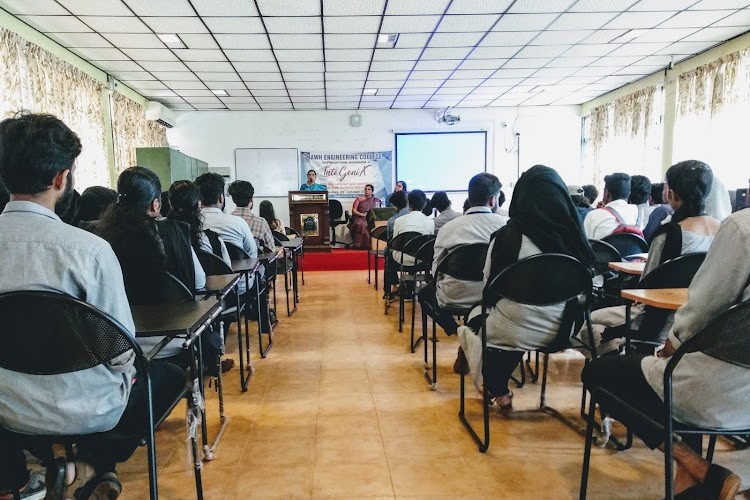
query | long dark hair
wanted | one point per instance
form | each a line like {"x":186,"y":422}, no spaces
{"x":184,"y":197}
{"x":266,"y":211}
{"x":691,"y":180}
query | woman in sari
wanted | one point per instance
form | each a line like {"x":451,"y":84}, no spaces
{"x":358,"y":224}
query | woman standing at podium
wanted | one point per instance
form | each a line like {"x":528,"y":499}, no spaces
{"x":311,"y":185}
{"x":358,"y":224}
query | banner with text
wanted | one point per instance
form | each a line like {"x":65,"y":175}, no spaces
{"x":345,"y":174}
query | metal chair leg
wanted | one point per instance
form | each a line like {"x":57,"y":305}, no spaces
{"x":587,"y":450}
{"x":542,"y":399}
{"x":482,"y":445}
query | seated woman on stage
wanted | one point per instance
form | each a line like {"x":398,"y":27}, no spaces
{"x":145,"y":246}
{"x":706,"y":390}
{"x":358,"y":224}
{"x":543,"y":219}
{"x":690,"y":230}
{"x":311,"y":185}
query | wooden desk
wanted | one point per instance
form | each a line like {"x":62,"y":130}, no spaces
{"x":245,"y":265}
{"x":628,"y":267}
{"x":171,"y":320}
{"x":663,"y":298}
{"x":294,"y":245}
{"x":220,"y":285}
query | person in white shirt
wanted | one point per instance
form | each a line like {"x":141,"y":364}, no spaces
{"x":414,"y":221}
{"x":477,"y":225}
{"x":601,"y":222}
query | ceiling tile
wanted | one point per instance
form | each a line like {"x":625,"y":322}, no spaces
{"x":559,"y":72}
{"x":542,"y":80}
{"x":93,"y":39}
{"x":639,"y":70}
{"x":479,"y":6}
{"x":307,"y":99}
{"x":185,"y":75}
{"x":604,"y":36}
{"x":234,"y":24}
{"x":168,"y":66}
{"x":349,"y":41}
{"x":430,"y":75}
{"x":347,"y":65}
{"x":218,"y":77}
{"x":225,"y":8}
{"x":473,"y":73}
{"x":127,"y":75}
{"x":533,"y":6}
{"x":514,"y":72}
{"x":524,"y":22}
{"x":353,"y":7}
{"x":715,"y":34}
{"x":572,"y":62}
{"x":638,"y":20}
{"x":741,"y":18}
{"x":100,"y":54}
{"x":409,"y":24}
{"x":359,"y":24}
{"x":284,"y":8}
{"x":98,"y":8}
{"x":255,"y":77}
{"x":208,"y":106}
{"x":638,"y":49}
{"x":482,"y":63}
{"x":156,"y":92}
{"x":306,"y":92}
{"x":177,"y":25}
{"x":591,"y":50}
{"x":652,"y":5}
{"x":502,"y":38}
{"x":345,"y":84}
{"x":121,"y":67}
{"x":308,"y":105}
{"x":386,"y":84}
{"x":719,"y":4}
{"x":243,"y":41}
{"x":135,"y":40}
{"x":56,"y":24}
{"x":399,"y":65}
{"x":338,"y":93}
{"x":237,"y":100}
{"x":663,"y":35}
{"x":249,"y":55}
{"x":198,"y":41}
{"x":343,"y":105}
{"x":299,"y":55}
{"x":536,"y":62}
{"x":581,"y":21}
{"x":37,"y":8}
{"x":261,"y":93}
{"x":179,"y":85}
{"x":425,"y":92}
{"x":486,"y":90}
{"x":199,"y":55}
{"x":194,"y":93}
{"x":244,"y":107}
{"x":296,"y":41}
{"x":611,"y":60}
{"x":304,"y":77}
{"x":256,"y":66}
{"x":469,"y":82}
{"x":685,"y":48}
{"x":561,"y":37}
{"x":389,"y":75}
{"x":597,"y":71}
{"x":218,"y":66}
{"x":410,"y":7}
{"x":467,"y":23}
{"x":412,"y":40}
{"x":579,"y":80}
{"x":150,"y":54}
{"x":253,"y":86}
{"x":695,"y":18}
{"x":443,"y":53}
{"x":346,"y":75}
{"x":223,"y":85}
{"x":292,"y":25}
{"x":303,"y":67}
{"x":160,"y":7}
{"x":106,"y":24}
{"x":403,"y":54}
{"x":494,"y":52}
{"x":203,"y":100}
{"x":349,"y":54}
{"x":455,"y":39}
{"x":542,"y":50}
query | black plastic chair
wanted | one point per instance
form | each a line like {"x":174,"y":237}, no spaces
{"x":72,"y":336}
{"x":724,"y":338}
{"x":411,"y":276}
{"x":608,"y":293}
{"x":539,"y":280}
{"x":464,"y":262}
{"x":627,"y":243}
{"x":269,"y":278}
{"x":160,"y":288}
{"x":290,"y":231}
{"x":424,"y":258}
{"x":335,"y":212}
{"x":379,"y":234}
{"x":396,"y":244}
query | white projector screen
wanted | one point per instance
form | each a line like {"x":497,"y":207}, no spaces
{"x":440,"y":161}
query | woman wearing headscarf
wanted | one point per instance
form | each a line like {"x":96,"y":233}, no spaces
{"x":543,"y":219}
{"x":718,"y":204}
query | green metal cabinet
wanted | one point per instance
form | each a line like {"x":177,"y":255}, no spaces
{"x":170,"y":165}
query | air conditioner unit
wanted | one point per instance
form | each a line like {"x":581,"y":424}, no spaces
{"x":157,"y":112}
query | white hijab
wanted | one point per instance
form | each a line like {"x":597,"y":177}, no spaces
{"x":718,"y":204}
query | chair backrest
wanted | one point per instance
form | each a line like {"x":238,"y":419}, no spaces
{"x":627,"y":243}
{"x":161,"y":288}
{"x":674,"y":273}
{"x":335,"y":210}
{"x":464,"y":262}
{"x":413,"y":245}
{"x":290,"y":231}
{"x":725,"y":337}
{"x":235,"y":252}
{"x":68,"y":336}
{"x":399,"y":241}
{"x":426,"y":254}
{"x":279,"y":237}
{"x":604,"y":253}
{"x":212,"y":264}
{"x":380,"y":233}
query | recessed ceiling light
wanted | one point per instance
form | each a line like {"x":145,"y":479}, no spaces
{"x":220,"y":93}
{"x":387,"y":41}
{"x":369,"y":91}
{"x":169,"y":38}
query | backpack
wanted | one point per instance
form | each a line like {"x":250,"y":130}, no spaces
{"x":625,"y":228}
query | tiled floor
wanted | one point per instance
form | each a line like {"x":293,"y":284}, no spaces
{"x":340,"y":409}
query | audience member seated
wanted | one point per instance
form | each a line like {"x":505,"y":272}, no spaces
{"x":310,"y":185}
{"x":442,"y":204}
{"x":500,"y":203}
{"x":266,"y":211}
{"x":690,"y":230}
{"x":428,"y":209}
{"x":40,"y":252}
{"x":400,"y":186}
{"x":69,"y":214}
{"x":477,"y":225}
{"x":398,"y":200}
{"x":543,"y":219}
{"x":92,"y":203}
{"x":242,"y":193}
{"x":661,"y":210}
{"x":583,"y":206}
{"x":414,"y":221}
{"x":602,"y":222}
{"x":640,"y":192}
{"x":145,"y":245}
{"x":706,"y":391}
{"x":4,"y":195}
{"x":718,"y":204}
{"x":358,"y":224}
{"x":466,"y":205}
{"x":166,"y":206}
{"x":591,"y":193}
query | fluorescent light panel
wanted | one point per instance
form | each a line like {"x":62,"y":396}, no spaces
{"x":220,"y":93}
{"x":369,"y":91}
{"x":387,"y":41}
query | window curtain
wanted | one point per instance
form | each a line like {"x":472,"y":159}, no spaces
{"x":35,"y":80}
{"x":625,"y":136}
{"x":131,"y":130}
{"x":713,"y":103}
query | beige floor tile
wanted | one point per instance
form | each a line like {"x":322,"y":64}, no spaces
{"x":348,"y":425}
{"x":351,"y":480}
{"x":357,"y":449}
{"x":281,"y":452}
{"x":273,"y":482}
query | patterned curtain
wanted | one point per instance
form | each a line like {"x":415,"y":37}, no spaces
{"x":131,"y":130}
{"x":709,"y":88}
{"x":35,"y":80}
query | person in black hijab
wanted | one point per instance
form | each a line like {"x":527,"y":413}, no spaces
{"x":543,"y":219}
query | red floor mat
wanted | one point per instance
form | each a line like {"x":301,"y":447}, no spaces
{"x":339,"y":259}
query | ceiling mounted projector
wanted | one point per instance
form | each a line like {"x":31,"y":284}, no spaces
{"x":445,"y":116}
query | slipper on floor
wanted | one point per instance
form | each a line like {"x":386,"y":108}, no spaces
{"x":721,"y":483}
{"x":103,"y":487}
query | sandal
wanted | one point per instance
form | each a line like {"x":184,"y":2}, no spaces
{"x":721,"y":483}
{"x":104,"y":487}
{"x":695,"y":492}
{"x":503,"y":409}
{"x":83,"y":474}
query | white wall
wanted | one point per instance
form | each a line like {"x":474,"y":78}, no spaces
{"x":550,"y":135}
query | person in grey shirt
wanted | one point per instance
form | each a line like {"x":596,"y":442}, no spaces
{"x":442,"y":203}
{"x":40,"y":252}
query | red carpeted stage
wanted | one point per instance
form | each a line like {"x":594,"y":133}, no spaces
{"x":338,"y":259}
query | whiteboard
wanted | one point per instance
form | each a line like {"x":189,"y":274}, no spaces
{"x":272,"y":171}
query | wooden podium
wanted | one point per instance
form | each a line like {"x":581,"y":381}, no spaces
{"x":308,"y":214}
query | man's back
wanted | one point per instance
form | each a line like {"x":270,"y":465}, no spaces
{"x":413,"y":221}
{"x":40,"y":252}
{"x":258,"y":226}
{"x":231,"y":228}
{"x":600,"y":223}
